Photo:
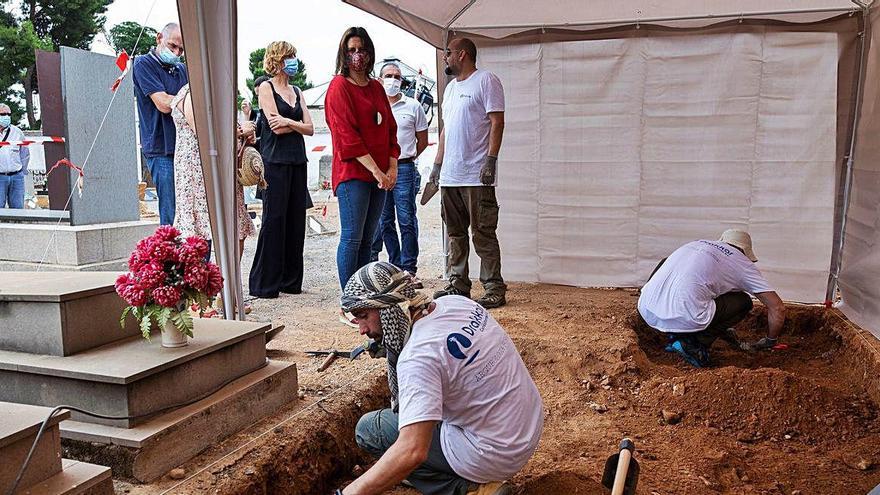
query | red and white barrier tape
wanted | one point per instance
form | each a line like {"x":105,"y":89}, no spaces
{"x":33,"y":140}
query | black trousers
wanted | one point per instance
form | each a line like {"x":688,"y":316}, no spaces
{"x":278,"y":262}
{"x":730,"y":309}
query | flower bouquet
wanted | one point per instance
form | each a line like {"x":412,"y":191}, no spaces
{"x":166,"y":275}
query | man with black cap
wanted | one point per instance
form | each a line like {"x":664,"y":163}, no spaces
{"x":465,"y":414}
{"x":701,"y":291}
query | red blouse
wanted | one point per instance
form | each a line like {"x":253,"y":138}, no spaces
{"x":355,"y":129}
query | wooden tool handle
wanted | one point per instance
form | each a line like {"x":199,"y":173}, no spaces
{"x":620,"y":475}
{"x":327,"y":362}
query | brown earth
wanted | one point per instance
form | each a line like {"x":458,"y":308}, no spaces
{"x":777,"y":422}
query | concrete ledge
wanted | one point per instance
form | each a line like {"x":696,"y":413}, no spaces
{"x":18,"y":429}
{"x":133,"y":377}
{"x":77,"y":478}
{"x":71,"y":246}
{"x":148,"y":451}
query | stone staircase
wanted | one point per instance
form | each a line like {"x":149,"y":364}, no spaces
{"x":61,"y":343}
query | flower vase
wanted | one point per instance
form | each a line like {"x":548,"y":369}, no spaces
{"x":172,"y":337}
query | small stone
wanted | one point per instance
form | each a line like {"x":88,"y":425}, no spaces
{"x":745,"y":478}
{"x":670,"y":417}
{"x":787,"y":437}
{"x":796,"y":492}
{"x":177,"y":474}
{"x":705,"y":481}
{"x":301,"y":395}
{"x":249,"y":471}
{"x":278,"y":430}
{"x":678,"y":389}
{"x":599,"y":408}
{"x":357,"y":470}
{"x":864,"y":464}
{"x":558,"y":379}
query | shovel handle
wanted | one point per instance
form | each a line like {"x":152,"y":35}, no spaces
{"x":328,"y":361}
{"x":626,"y":452}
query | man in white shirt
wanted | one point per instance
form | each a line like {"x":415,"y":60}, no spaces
{"x":465,"y":413}
{"x":412,"y":136}
{"x":699,"y":293}
{"x":13,"y":161}
{"x":467,"y":156}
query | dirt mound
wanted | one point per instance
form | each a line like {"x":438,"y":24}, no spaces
{"x":764,"y":404}
{"x":562,"y":482}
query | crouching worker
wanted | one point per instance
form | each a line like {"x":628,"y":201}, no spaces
{"x":699,"y":293}
{"x":465,"y":415}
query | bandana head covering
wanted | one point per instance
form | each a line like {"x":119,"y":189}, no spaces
{"x":383,"y":286}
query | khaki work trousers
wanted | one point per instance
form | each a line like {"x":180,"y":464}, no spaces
{"x":473,"y":207}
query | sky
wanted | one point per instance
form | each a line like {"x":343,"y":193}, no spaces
{"x":314,"y":27}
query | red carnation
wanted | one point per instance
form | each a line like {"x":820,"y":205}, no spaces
{"x":166,"y":233}
{"x":122,"y":282}
{"x":193,"y":250}
{"x":151,"y":275}
{"x":167,"y":296}
{"x":134,"y":296}
{"x":196,"y":276}
{"x":215,"y":280}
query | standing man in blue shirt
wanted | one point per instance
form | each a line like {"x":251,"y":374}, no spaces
{"x":13,"y":161}
{"x":158,"y":76}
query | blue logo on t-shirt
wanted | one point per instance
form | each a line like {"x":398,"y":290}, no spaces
{"x":455,"y":342}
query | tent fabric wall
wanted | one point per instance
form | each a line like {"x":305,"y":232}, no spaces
{"x":860,"y":275}
{"x":617,"y":151}
{"x":497,"y":19}
{"x":209,"y":34}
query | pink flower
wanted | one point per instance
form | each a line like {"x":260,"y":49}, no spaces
{"x":122,"y":282}
{"x":196,"y":276}
{"x":151,"y":275}
{"x":215,"y":280}
{"x":167,"y":296}
{"x":193,"y":250}
{"x":135,"y":296}
{"x":166,"y":233}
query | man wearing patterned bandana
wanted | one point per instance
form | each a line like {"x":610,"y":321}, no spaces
{"x":465,"y":414}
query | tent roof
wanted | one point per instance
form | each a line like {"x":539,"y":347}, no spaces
{"x":502,"y":18}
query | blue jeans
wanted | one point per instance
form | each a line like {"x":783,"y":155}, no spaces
{"x":162,"y":171}
{"x":403,"y":253}
{"x":376,"y":431}
{"x":360,"y":205}
{"x":12,"y":190}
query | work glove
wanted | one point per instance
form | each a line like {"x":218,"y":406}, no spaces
{"x":487,"y":173}
{"x":761,"y":345}
{"x":435,"y":174}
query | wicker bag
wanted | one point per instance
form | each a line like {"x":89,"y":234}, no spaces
{"x":250,"y":166}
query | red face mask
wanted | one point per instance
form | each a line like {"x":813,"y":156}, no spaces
{"x":357,"y":61}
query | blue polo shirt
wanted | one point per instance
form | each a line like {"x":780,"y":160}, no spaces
{"x":152,"y":76}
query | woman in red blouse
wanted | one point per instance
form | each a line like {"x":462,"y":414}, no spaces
{"x":365,"y":150}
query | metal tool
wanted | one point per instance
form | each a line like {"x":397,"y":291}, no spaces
{"x":621,"y":473}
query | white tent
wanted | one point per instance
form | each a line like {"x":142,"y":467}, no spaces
{"x":635,"y":126}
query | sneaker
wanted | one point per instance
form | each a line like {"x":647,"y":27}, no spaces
{"x":490,"y":301}
{"x":451,"y":290}
{"x":491,"y":488}
{"x":695,"y":355}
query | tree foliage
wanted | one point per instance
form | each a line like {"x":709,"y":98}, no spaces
{"x":124,"y":35}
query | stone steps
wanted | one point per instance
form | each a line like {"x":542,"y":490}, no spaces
{"x":47,"y":473}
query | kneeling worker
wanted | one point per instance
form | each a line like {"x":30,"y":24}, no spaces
{"x":465,"y":413}
{"x":699,"y":293}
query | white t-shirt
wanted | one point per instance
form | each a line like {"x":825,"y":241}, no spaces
{"x":410,"y":118}
{"x":680,"y":297}
{"x":466,"y":105}
{"x":461,"y":368}
{"x":12,"y":157}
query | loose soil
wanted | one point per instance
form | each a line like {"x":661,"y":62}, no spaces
{"x":780,"y":422}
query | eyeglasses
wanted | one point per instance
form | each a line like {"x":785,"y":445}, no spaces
{"x":5,"y":113}
{"x":395,"y":76}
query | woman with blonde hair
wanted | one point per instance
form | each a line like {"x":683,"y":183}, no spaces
{"x":278,"y":262}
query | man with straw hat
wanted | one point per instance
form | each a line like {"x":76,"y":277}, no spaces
{"x":701,"y":291}
{"x":465,"y":414}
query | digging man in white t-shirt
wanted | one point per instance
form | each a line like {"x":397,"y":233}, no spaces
{"x":465,"y":415}
{"x":465,"y":166}
{"x":699,"y":293}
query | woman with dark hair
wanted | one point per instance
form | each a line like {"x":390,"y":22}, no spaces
{"x":365,"y":150}
{"x":284,"y":119}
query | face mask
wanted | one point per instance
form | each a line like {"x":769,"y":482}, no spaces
{"x":168,"y":57}
{"x":392,"y":85}
{"x":5,"y":120}
{"x":357,"y":62}
{"x":291,"y":66}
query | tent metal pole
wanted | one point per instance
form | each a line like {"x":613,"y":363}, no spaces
{"x":454,"y":18}
{"x":649,"y":20}
{"x":219,"y":207}
{"x":837,"y":256}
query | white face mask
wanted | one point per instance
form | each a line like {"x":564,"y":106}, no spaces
{"x":392,"y":86}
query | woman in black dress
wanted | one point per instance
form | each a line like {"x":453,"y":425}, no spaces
{"x":278,"y":262}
